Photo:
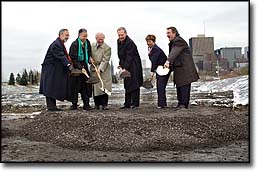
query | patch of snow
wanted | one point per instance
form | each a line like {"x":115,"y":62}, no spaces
{"x":239,"y":86}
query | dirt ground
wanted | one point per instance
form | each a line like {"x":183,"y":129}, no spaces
{"x":147,"y":134}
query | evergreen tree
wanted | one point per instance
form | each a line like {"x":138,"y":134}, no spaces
{"x":31,"y":77}
{"x":18,"y":78}
{"x":24,"y":79}
{"x":36,"y":77}
{"x":11,"y":79}
{"x":26,"y":75}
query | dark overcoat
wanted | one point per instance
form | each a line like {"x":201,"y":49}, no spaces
{"x":182,"y":62}
{"x":130,"y":60}
{"x":81,"y":80}
{"x":55,"y":73}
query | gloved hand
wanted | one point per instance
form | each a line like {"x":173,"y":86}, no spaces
{"x":70,"y":66}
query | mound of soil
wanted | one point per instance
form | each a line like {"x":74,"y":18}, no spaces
{"x":138,"y":130}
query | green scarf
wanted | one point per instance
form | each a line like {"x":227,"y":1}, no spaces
{"x":81,"y":53}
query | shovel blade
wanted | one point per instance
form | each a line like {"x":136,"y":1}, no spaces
{"x":106,"y":91}
{"x":93,"y":80}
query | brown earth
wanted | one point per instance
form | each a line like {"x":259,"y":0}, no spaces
{"x":199,"y":134}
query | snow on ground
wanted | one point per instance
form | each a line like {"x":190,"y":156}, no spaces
{"x":201,"y":93}
{"x":239,"y":86}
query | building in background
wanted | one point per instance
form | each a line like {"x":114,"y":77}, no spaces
{"x":202,"y":49}
{"x":232,"y":55}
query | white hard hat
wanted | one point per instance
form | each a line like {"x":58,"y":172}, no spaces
{"x":161,"y":70}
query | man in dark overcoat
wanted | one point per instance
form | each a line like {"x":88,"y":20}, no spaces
{"x":181,"y":61}
{"x":129,"y":60}
{"x":55,"y":72}
{"x":80,"y":53}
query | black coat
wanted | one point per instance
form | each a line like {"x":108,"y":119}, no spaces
{"x":81,"y":80}
{"x":130,"y":60}
{"x":182,"y":62}
{"x":74,"y":54}
{"x":157,"y":57}
{"x":55,"y":73}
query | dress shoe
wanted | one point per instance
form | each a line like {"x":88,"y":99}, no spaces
{"x":54,"y":109}
{"x":180,"y":107}
{"x":124,"y":107}
{"x":104,"y":107}
{"x":97,"y":107}
{"x":74,"y":107}
{"x":134,"y":107}
{"x":177,"y":106}
{"x":87,"y":107}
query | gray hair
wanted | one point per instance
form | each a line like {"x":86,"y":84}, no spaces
{"x":62,"y":31}
{"x":122,"y":28}
{"x":100,"y":33}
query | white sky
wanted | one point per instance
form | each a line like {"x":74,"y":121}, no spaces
{"x":28,"y":28}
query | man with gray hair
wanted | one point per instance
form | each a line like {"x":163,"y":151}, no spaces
{"x":101,"y":53}
{"x":129,"y":60}
{"x":55,"y":72}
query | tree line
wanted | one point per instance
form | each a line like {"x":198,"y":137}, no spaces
{"x":31,"y":78}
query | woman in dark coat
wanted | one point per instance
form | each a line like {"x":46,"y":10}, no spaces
{"x":55,"y":72}
{"x":185,"y":72}
{"x":78,"y":83}
{"x":158,"y":57}
{"x":129,"y":59}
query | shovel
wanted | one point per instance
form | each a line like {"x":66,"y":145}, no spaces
{"x":85,"y":72}
{"x":91,"y":80}
{"x":147,"y":84}
{"x":102,"y":84}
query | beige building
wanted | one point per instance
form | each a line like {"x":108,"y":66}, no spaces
{"x":201,"y":47}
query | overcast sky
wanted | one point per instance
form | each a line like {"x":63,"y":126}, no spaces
{"x":28,"y":28}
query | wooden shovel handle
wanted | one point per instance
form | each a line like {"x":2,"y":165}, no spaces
{"x":85,"y":72}
{"x":102,"y":84}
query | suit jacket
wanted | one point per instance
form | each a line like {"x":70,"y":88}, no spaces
{"x":157,"y":57}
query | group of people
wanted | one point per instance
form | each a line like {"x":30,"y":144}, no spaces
{"x":57,"y":83}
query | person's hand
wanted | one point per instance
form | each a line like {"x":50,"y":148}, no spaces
{"x":70,"y":66}
{"x":167,"y":64}
{"x":151,"y":76}
{"x":92,"y":60}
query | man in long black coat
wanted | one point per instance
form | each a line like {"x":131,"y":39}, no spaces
{"x":80,"y":59}
{"x":55,"y":72}
{"x":129,"y":59}
{"x":181,"y":61}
